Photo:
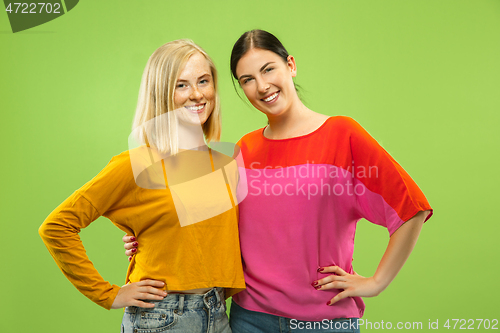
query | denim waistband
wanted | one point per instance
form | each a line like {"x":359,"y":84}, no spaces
{"x":182,"y":302}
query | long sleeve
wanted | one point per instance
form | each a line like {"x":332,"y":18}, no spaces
{"x":60,"y":231}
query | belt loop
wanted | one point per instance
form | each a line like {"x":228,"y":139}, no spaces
{"x":181,"y":304}
{"x":218,"y":293}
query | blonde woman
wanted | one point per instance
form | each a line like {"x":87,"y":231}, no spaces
{"x":191,"y":263}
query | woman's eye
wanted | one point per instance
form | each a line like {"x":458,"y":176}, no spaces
{"x":247,"y":80}
{"x":204,"y":81}
{"x":267,"y":70}
{"x":180,"y":85}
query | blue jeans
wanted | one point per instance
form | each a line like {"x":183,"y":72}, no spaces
{"x":180,"y":313}
{"x":246,"y":321}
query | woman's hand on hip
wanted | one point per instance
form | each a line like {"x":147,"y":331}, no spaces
{"x":130,"y":246}
{"x":351,"y":284}
{"x":133,"y":294}
{"x":398,"y":250}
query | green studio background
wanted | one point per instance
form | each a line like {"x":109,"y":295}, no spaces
{"x":421,"y":76}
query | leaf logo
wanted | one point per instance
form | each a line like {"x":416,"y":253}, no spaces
{"x":29,"y":14}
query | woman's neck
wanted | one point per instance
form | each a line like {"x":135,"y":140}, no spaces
{"x":190,"y":136}
{"x":296,"y":121}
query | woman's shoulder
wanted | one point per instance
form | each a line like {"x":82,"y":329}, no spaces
{"x":117,"y":167}
{"x":123,"y":156}
{"x":337,"y":127}
{"x":128,"y":164}
{"x":345,"y":122}
{"x":120,"y":160}
{"x":251,"y":137}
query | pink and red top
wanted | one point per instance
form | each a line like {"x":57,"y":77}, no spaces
{"x":305,"y":197}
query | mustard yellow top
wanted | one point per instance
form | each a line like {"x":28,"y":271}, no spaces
{"x":181,"y":210}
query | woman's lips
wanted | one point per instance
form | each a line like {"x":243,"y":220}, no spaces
{"x":271,"y":98}
{"x":198,"y":108}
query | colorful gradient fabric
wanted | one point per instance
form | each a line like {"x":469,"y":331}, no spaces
{"x":305,"y":197}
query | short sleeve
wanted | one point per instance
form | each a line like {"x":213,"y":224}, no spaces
{"x":385,"y":193}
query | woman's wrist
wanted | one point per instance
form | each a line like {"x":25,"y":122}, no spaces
{"x":379,"y":283}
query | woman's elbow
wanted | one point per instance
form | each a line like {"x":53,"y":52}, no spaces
{"x":44,"y":231}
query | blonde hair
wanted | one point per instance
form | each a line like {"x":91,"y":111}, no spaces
{"x":154,"y":123}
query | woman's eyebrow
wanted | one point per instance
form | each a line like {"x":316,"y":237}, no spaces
{"x":206,"y":74}
{"x":261,"y":69}
{"x":265,"y":65}
{"x":184,"y":80}
{"x":243,"y":76}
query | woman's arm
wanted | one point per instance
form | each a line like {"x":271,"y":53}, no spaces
{"x":60,"y":233}
{"x":400,"y":245}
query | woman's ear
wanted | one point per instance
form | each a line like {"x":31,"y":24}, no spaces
{"x":290,"y":62}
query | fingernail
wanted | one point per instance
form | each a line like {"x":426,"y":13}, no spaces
{"x":320,"y":269}
{"x":317,"y":287}
{"x":134,"y":250}
{"x":129,"y":258}
{"x":135,"y":244}
{"x":315,"y":283}
{"x":132,"y":239}
{"x":328,"y":303}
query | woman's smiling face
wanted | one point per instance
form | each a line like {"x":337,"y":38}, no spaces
{"x":267,"y":81}
{"x":194,"y":90}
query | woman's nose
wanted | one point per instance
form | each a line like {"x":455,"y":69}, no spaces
{"x":196,"y":94}
{"x":263,"y":87}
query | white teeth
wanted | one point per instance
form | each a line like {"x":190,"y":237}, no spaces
{"x":195,"y":108}
{"x":270,"y":98}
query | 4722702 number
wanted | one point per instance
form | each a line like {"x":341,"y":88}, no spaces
{"x":33,"y":8}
